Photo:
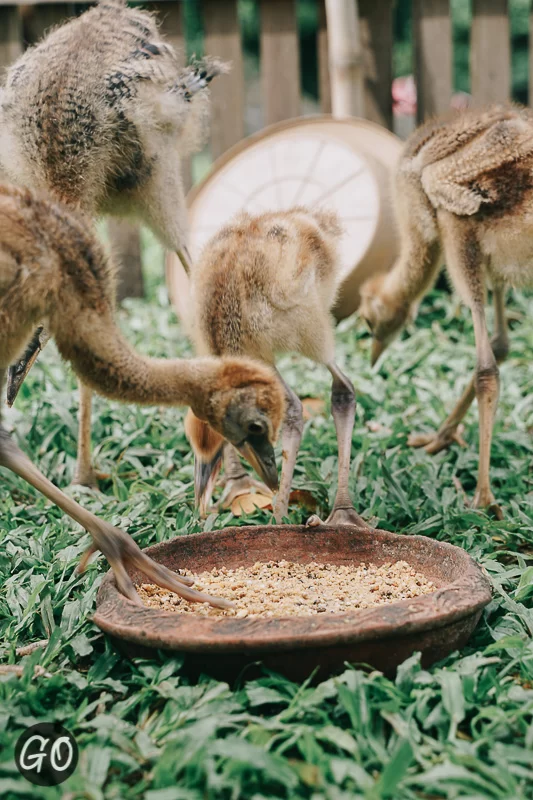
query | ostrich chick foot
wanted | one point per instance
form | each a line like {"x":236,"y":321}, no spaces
{"x":485,"y":499}
{"x":122,"y":553}
{"x":439,"y":440}
{"x":237,"y":487}
{"x":339,"y":516}
{"x":85,"y":477}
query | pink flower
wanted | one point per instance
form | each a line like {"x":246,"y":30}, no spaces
{"x":404,"y":96}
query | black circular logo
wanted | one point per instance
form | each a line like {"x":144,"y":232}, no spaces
{"x":46,"y":754}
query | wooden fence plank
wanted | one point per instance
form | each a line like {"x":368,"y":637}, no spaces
{"x":10,"y":37}
{"x":172,"y":24}
{"x":10,"y":42}
{"x":432,"y":30}
{"x":223,"y":39}
{"x":280,"y":60}
{"x":26,"y":3}
{"x":345,"y":58}
{"x":530,"y":87}
{"x":490,"y":52}
{"x":37,"y":20}
{"x":324,"y":82}
{"x":377,"y":40}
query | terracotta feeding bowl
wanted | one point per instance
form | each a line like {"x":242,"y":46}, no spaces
{"x":382,"y":636}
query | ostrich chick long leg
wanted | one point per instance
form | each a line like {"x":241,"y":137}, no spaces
{"x":487,"y":392}
{"x":464,"y":258}
{"x":84,"y":474}
{"x":290,"y":442}
{"x":448,"y":433}
{"x":237,"y":482}
{"x":119,"y":548}
{"x":343,"y":410}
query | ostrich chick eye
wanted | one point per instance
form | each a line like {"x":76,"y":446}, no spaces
{"x":256,"y":428}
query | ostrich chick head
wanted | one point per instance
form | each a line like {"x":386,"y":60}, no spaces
{"x":384,"y":313}
{"x":245,"y":408}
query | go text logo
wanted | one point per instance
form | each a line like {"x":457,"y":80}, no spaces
{"x":46,"y":754}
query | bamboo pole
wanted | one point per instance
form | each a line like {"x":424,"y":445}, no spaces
{"x":345,"y":58}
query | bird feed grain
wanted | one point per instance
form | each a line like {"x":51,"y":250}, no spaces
{"x":283,"y":588}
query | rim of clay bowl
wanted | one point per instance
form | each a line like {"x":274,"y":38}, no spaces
{"x":464,"y":596}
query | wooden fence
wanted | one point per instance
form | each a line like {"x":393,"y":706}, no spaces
{"x":281,"y":97}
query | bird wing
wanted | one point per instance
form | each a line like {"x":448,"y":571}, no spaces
{"x":444,"y":135}
{"x":283,"y":298}
{"x":479,"y":173}
{"x":152,"y":59}
{"x":145,"y":56}
{"x":197,"y":76}
{"x":181,"y":100}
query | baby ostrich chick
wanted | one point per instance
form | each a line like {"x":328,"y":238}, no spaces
{"x":99,"y":114}
{"x":53,"y":267}
{"x":464,"y":194}
{"x":265,"y":285}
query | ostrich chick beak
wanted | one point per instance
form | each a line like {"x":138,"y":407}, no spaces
{"x":258,"y":451}
{"x":185,"y":259}
{"x":205,"y":476}
{"x":377,"y":349}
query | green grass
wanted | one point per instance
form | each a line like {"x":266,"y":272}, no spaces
{"x":462,"y":729}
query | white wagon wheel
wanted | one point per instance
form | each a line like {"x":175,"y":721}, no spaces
{"x":344,"y":165}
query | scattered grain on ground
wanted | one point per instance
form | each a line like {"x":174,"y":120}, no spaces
{"x":284,"y":588}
